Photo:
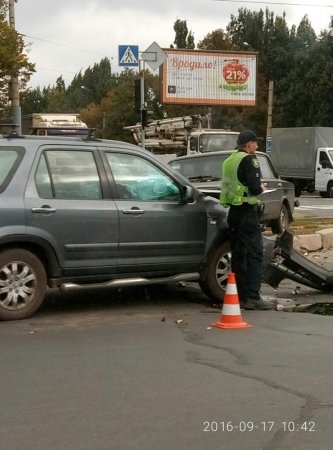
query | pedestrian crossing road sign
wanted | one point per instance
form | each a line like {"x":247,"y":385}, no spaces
{"x":128,"y":55}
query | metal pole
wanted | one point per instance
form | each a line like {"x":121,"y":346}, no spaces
{"x":270,"y":107}
{"x":15,"y":94}
{"x":142,"y":96}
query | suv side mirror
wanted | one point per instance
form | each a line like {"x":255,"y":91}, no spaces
{"x":188,"y":194}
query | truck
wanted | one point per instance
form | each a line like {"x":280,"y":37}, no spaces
{"x":185,"y":135}
{"x":47,"y":124}
{"x":304,"y":156}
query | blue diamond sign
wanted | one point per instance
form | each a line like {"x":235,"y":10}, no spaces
{"x":128,"y":55}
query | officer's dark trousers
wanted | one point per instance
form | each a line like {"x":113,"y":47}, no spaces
{"x":246,"y":250}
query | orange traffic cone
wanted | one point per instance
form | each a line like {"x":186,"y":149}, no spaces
{"x":231,"y":314}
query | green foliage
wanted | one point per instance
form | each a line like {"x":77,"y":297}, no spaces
{"x":308,"y":86}
{"x":183,"y":38}
{"x":13,"y":58}
{"x":216,"y":40}
{"x":36,"y":101}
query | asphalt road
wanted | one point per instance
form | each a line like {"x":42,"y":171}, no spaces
{"x":312,"y":205}
{"x":144,"y":369}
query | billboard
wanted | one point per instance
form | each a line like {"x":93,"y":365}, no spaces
{"x":209,"y":77}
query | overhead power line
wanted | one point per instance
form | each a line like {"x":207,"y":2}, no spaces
{"x":274,"y":3}
{"x":61,"y":45}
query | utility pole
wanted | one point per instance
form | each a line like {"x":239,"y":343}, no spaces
{"x":269,"y":115}
{"x":270,"y":107}
{"x":142,"y":101}
{"x":15,"y":95}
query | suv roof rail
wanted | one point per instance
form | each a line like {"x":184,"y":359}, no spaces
{"x":90,"y":136}
{"x":12,"y":133}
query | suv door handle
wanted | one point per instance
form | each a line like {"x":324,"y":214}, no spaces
{"x":135,"y":210}
{"x":44,"y":209}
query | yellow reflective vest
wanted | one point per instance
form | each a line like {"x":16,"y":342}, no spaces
{"x":233,"y":192}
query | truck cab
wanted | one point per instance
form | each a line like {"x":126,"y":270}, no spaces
{"x":46,"y":124}
{"x":324,"y":172}
{"x":211,"y":140}
{"x":180,"y":136}
{"x":304,"y":156}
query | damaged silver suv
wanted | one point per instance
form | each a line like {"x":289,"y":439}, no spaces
{"x":78,"y":211}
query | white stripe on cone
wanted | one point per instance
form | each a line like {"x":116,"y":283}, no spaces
{"x":231,"y":310}
{"x":231,"y":289}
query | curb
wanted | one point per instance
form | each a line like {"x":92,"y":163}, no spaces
{"x":321,"y":240}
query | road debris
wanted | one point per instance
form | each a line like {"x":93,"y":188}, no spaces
{"x":181,"y":322}
{"x":297,"y":290}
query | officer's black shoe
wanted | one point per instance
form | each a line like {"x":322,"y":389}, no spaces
{"x":242,"y":303}
{"x":259,"y":304}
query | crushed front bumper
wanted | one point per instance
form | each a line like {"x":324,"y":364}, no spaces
{"x":283,"y":261}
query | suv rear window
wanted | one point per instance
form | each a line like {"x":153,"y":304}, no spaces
{"x":67,"y":174}
{"x":10,"y":158}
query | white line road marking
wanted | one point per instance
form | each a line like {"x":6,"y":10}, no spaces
{"x":315,"y":207}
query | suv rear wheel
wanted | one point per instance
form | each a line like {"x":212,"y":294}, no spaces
{"x":22,"y":284}
{"x":219,"y":266}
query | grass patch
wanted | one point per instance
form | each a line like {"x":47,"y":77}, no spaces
{"x":309,"y":225}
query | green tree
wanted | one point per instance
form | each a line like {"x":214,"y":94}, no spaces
{"x":308,"y":86}
{"x":183,"y":38}
{"x":216,"y":40}
{"x":305,"y":35}
{"x":91,"y":86}
{"x":116,"y":109}
{"x":13,"y":57}
{"x":34,"y":101}
{"x":270,"y":36}
{"x":57,"y":98}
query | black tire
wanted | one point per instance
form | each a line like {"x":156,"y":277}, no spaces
{"x":280,"y":225}
{"x":323,"y":194}
{"x":298,"y":190}
{"x":22,"y":284}
{"x":216,"y":278}
{"x":330,"y":190}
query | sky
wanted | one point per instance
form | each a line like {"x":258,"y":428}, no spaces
{"x":68,"y":36}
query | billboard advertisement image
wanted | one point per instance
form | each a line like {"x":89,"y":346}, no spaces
{"x":209,"y":77}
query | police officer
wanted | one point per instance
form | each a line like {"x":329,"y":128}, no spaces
{"x":241,"y":185}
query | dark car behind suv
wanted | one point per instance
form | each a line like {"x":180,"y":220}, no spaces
{"x":204,"y":172}
{"x":81,"y":211}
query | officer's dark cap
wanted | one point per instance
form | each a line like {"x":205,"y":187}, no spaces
{"x":247,"y":136}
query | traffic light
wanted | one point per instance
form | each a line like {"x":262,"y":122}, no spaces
{"x":137,"y":95}
{"x":146,"y":117}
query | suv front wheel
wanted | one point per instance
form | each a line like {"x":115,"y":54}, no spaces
{"x":219,"y":265}
{"x":22,"y":284}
